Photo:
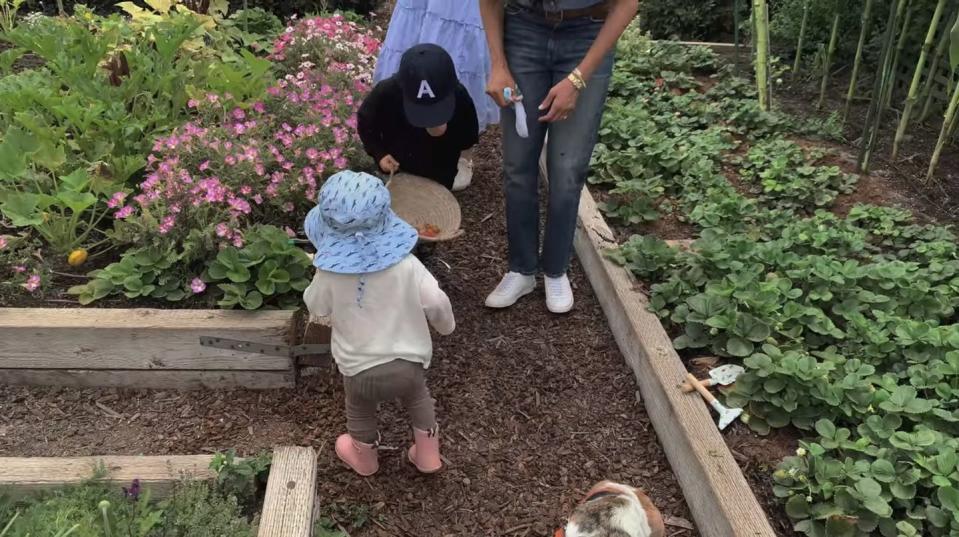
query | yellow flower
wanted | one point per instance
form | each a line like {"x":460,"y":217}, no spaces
{"x":77,"y":257}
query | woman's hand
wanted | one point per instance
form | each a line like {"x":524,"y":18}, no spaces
{"x":389,"y":165}
{"x":500,"y":78}
{"x":560,"y":101}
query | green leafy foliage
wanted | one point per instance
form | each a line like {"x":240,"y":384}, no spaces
{"x":266,"y":271}
{"x":243,"y":479}
{"x":93,"y":510}
{"x":846,"y":325}
{"x":783,"y":175}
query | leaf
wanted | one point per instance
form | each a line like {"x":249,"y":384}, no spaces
{"x":878,"y":505}
{"x":883,"y":471}
{"x":869,"y":488}
{"x":76,"y":201}
{"x":826,"y":428}
{"x":949,"y":499}
{"x":737,"y":346}
{"x":22,"y":209}
{"x":946,"y":460}
{"x":161,"y":6}
{"x":903,"y":492}
{"x":774,"y":385}
{"x":76,"y":181}
{"x":797,"y":507}
{"x":841,"y":526}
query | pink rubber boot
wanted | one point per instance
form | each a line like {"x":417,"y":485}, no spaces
{"x":425,"y":452}
{"x":362,"y":458}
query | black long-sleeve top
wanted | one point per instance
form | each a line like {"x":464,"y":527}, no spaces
{"x":384,"y":130}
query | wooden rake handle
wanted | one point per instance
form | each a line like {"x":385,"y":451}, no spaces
{"x":686,"y":387}
{"x":692,"y":380}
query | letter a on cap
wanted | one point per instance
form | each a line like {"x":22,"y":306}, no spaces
{"x":425,"y":89}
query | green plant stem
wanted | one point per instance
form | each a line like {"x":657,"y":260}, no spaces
{"x":883,"y":79}
{"x":927,"y":93}
{"x":900,"y":45}
{"x":827,"y":61}
{"x":9,"y":524}
{"x":802,"y":36}
{"x":761,"y":29}
{"x":947,"y":124}
{"x":913,"y":96}
{"x":857,"y":63}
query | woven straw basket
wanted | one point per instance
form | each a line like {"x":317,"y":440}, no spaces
{"x":420,"y":201}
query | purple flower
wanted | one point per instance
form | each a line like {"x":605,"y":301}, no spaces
{"x":125,"y":212}
{"x":33,"y":283}
{"x":197,"y":286}
{"x":117,"y":200}
{"x":238,"y":113}
{"x":133,"y":492}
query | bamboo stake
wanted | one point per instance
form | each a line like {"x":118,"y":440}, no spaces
{"x":933,"y":70}
{"x":913,"y":96}
{"x":802,"y":36}
{"x":944,"y":133}
{"x":736,"y":23}
{"x":857,"y":64}
{"x":901,"y":44}
{"x":760,"y":26}
{"x":874,"y":118}
{"x":827,"y":61}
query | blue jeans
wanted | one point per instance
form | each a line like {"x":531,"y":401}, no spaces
{"x":540,"y":54}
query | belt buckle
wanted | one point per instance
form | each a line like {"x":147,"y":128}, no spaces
{"x":553,"y":17}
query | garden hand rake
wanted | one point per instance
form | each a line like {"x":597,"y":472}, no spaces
{"x":726,"y":415}
{"x":720,"y":376}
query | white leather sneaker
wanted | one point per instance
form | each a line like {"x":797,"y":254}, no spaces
{"x":511,"y":288}
{"x":559,"y":294}
{"x":464,"y":175}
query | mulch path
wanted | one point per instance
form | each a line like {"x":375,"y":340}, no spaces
{"x":534,"y":408}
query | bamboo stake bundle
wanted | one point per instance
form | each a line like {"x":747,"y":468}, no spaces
{"x":947,"y":124}
{"x":927,"y":93}
{"x":761,"y":31}
{"x":857,"y":64}
{"x":802,"y":36}
{"x":827,"y":60}
{"x":913,"y":96}
{"x":883,"y":79}
{"x":949,"y":121}
{"x":900,"y":44}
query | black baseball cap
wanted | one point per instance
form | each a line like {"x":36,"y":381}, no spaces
{"x":428,"y":80}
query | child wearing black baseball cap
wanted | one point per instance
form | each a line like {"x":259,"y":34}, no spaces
{"x":420,"y":119}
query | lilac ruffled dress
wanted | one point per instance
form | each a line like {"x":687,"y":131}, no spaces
{"x":454,"y":25}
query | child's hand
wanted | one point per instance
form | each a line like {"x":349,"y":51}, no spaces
{"x":388,"y":164}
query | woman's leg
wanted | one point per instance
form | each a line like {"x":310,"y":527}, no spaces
{"x":526,"y":43}
{"x":571,"y":143}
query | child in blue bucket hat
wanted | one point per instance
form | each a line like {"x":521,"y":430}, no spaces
{"x":381,"y":301}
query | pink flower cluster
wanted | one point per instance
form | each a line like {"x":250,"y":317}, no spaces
{"x":335,"y":44}
{"x":242,"y":162}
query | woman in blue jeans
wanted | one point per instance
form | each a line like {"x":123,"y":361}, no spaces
{"x":558,"y":55}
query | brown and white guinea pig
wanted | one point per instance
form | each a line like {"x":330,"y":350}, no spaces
{"x":613,"y":510}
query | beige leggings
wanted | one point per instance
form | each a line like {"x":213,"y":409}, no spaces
{"x":398,"y":379}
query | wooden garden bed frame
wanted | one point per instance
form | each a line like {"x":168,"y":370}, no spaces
{"x":288,"y":509}
{"x":146,"y":348}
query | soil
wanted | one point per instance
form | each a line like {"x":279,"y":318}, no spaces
{"x":534,"y":407}
{"x":901,"y":182}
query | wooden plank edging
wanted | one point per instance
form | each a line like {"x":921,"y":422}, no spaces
{"x":28,"y":475}
{"x":719,"y":497}
{"x":142,"y":348}
{"x":290,"y":494}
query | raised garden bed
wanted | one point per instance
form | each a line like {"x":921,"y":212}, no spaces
{"x":288,"y":505}
{"x":144,"y":348}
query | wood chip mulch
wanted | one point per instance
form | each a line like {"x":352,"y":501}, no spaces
{"x":534,"y":409}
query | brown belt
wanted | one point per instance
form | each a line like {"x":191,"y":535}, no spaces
{"x":596,"y":11}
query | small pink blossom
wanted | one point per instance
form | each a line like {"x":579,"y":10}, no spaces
{"x":125,"y":212}
{"x":3,"y":242}
{"x":193,"y":103}
{"x":289,"y":232}
{"x":166,"y":225}
{"x":197,"y":286}
{"x":19,"y":269}
{"x":33,"y":283}
{"x":205,"y":165}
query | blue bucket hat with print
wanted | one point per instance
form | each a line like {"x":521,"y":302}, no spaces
{"x":353,"y":228}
